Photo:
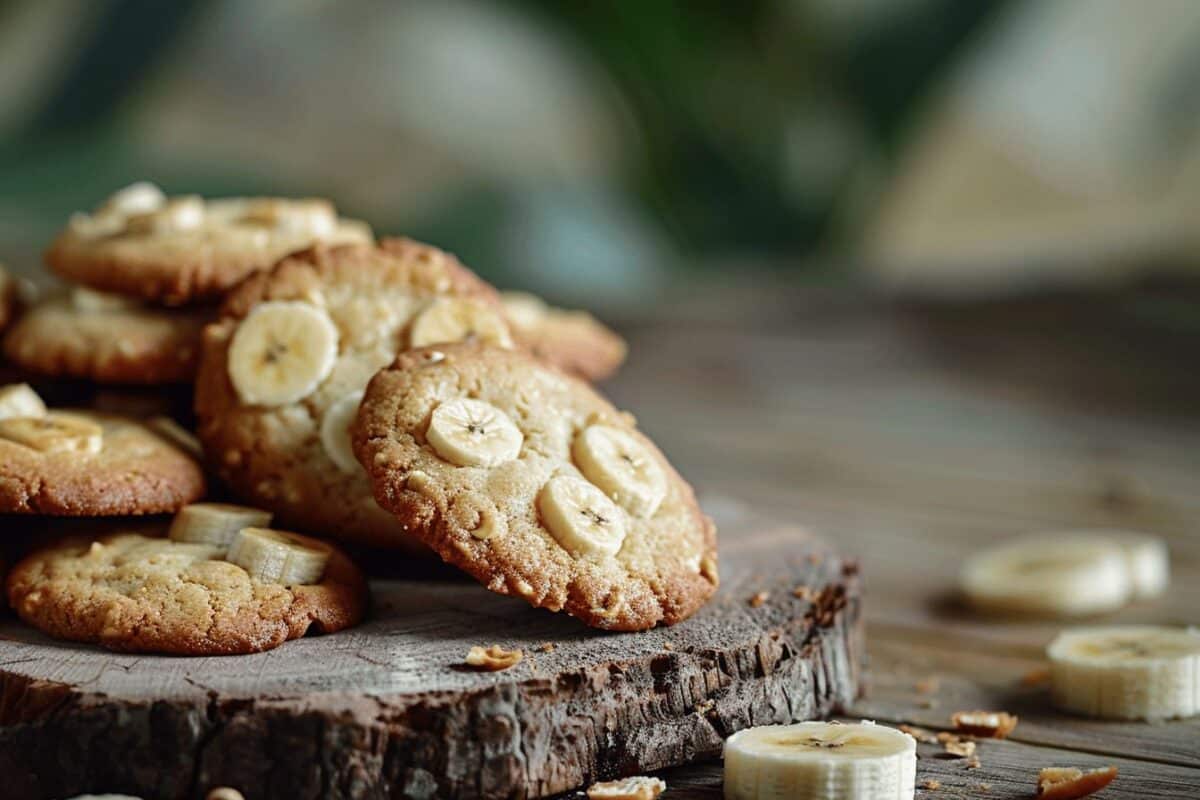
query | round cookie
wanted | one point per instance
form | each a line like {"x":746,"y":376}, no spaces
{"x":138,"y":593}
{"x":277,"y":434}
{"x":110,"y":341}
{"x":84,"y":464}
{"x":185,"y":249}
{"x":572,"y":340}
{"x":536,"y":485}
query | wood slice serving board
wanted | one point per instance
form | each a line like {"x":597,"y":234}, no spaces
{"x":387,"y":710}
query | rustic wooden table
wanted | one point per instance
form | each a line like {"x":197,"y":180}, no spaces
{"x":910,"y":438}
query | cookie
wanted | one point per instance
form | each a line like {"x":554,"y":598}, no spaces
{"x":134,"y":592}
{"x":537,"y":486}
{"x":107,"y":339}
{"x":185,"y":249}
{"x":83,"y":464}
{"x":284,"y":366}
{"x":572,"y":340}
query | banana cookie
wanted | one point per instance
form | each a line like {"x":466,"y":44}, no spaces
{"x":85,"y":464}
{"x":134,"y":592}
{"x":108,"y":338}
{"x":285,"y":366}
{"x":186,"y":249}
{"x":573,"y":340}
{"x":536,"y":485}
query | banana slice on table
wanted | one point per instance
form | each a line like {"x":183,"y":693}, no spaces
{"x":1146,"y":560}
{"x":335,"y":431}
{"x":820,"y":761}
{"x":453,"y":319}
{"x":20,"y":400}
{"x":215,"y":523}
{"x":581,"y":517}
{"x":281,"y":352}
{"x":85,"y":299}
{"x":1127,"y":672}
{"x":614,"y":460}
{"x":55,"y":432}
{"x":472,"y":433}
{"x":1065,"y":577}
{"x":277,"y":557}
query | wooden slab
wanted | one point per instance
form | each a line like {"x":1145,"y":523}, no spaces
{"x":387,"y":710}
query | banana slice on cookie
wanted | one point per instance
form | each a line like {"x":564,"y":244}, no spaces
{"x":20,"y":400}
{"x":616,"y":460}
{"x":281,"y":352}
{"x":581,"y":517}
{"x":455,"y":319}
{"x":55,"y":432}
{"x":1145,"y":672}
{"x":335,"y":431}
{"x":820,"y":761}
{"x":85,"y":299}
{"x":277,"y":556}
{"x":216,"y":524}
{"x":472,"y":433}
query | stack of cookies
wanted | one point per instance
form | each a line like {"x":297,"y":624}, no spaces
{"x":378,"y":393}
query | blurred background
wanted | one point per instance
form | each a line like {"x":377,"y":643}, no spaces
{"x":602,"y":152}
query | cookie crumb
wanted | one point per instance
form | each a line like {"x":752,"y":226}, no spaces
{"x":493,"y":659}
{"x":973,"y":762}
{"x":983,"y":787}
{"x":638,"y":788}
{"x":984,"y":724}
{"x":757,"y":599}
{"x":931,"y":784}
{"x":668,"y":646}
{"x":224,"y":793}
{"x":920,"y":734}
{"x":803,"y":592}
{"x":1068,"y":783}
{"x":956,"y":746}
{"x":928,"y":703}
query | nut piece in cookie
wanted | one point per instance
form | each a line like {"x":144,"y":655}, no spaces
{"x":545,"y":491}
{"x":137,"y":593}
{"x":572,"y":340}
{"x":185,"y":249}
{"x":108,"y":339}
{"x":77,"y":463}
{"x":285,"y":365}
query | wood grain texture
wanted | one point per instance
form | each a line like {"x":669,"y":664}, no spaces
{"x":388,"y":710}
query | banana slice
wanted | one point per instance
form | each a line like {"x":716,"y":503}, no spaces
{"x":277,"y":557}
{"x":54,"y":433}
{"x":1146,"y":560}
{"x":177,"y":435}
{"x":581,"y":517}
{"x":525,"y":310}
{"x":1127,"y":672}
{"x":281,"y":352}
{"x":820,"y":761}
{"x":85,"y":299}
{"x":614,"y":460}
{"x":178,"y":214}
{"x":20,"y":400}
{"x":453,"y":319}
{"x":1063,"y":577}
{"x":335,"y":431}
{"x":215,"y":523}
{"x":472,"y":433}
{"x":313,"y":217}
{"x":136,"y":198}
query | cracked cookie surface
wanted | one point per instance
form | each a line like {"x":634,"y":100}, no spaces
{"x":275,"y":456}
{"x":530,"y":519}
{"x":126,"y":469}
{"x":143,"y":345}
{"x":137,"y":593}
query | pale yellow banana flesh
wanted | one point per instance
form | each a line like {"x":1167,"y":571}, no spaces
{"x":281,"y":352}
{"x":335,"y":431}
{"x":624,"y":469}
{"x":581,"y":517}
{"x":277,"y":557}
{"x":215,"y":524}
{"x":1141,"y":672}
{"x":820,"y":761}
{"x":55,"y":432}
{"x":472,"y":433}
{"x":453,"y":319}
{"x":20,"y":400}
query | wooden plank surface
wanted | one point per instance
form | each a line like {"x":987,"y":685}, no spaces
{"x":913,"y":437}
